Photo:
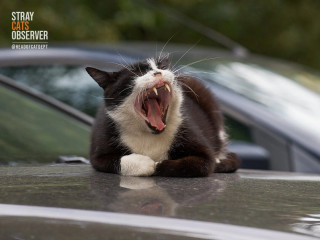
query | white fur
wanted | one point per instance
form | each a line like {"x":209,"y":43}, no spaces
{"x":223,"y":138}
{"x":134,"y":132}
{"x":137,"y":165}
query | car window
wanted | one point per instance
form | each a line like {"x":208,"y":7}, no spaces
{"x":236,"y":130}
{"x":32,"y":132}
{"x":69,"y":84}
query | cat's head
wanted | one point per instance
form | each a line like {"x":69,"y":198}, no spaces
{"x":147,"y":92}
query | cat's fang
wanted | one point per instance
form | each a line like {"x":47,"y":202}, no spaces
{"x":155,"y":91}
{"x":167,"y":87}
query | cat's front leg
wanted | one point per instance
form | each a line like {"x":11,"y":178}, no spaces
{"x":137,"y":165}
{"x":190,"y":166}
{"x":229,"y":164}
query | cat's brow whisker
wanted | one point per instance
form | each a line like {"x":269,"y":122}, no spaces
{"x":185,"y":53}
{"x":156,"y":49}
{"x":165,"y":46}
{"x":124,"y":66}
{"x":164,"y":57}
{"x":126,"y":63}
{"x":119,"y":64}
{"x":131,"y":71}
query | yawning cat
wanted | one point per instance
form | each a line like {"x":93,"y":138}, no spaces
{"x":154,"y":122}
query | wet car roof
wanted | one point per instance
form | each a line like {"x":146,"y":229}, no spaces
{"x":256,"y":199}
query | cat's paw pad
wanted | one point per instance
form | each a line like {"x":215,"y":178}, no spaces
{"x":137,"y":165}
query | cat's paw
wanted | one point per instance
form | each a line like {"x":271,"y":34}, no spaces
{"x":230,"y":163}
{"x":137,"y":165}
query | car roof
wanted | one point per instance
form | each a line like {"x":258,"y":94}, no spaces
{"x":120,"y":51}
{"x":211,"y":206}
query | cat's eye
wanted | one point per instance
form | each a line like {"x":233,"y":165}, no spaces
{"x":162,"y":67}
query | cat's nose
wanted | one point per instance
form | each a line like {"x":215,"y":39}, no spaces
{"x":157,"y":74}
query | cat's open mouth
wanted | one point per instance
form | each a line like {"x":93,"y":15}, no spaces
{"x":152,"y":105}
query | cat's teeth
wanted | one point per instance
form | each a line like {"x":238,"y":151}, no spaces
{"x":167,"y":87}
{"x":155,"y":91}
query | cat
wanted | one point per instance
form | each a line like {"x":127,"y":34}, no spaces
{"x":155,"y":122}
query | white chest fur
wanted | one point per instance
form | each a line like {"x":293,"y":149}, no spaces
{"x":135,"y":134}
{"x":155,"y":146}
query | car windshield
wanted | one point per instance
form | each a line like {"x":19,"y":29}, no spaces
{"x":291,"y":94}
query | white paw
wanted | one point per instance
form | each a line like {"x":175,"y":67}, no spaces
{"x":137,"y":165}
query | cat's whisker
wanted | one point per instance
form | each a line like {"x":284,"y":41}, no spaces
{"x":192,"y":73}
{"x":141,"y":92}
{"x":200,"y":72}
{"x":126,"y":89}
{"x":187,"y":86}
{"x":202,"y":60}
{"x":139,"y":96}
{"x":145,"y":89}
{"x":103,"y":98}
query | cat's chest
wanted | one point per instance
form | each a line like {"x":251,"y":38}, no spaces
{"x":152,"y":145}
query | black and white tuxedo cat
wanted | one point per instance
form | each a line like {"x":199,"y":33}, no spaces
{"x":154,"y":122}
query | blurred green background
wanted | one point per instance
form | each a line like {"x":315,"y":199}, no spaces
{"x":287,"y":29}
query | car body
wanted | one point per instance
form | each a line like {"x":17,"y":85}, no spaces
{"x":63,"y":201}
{"x":263,"y":131}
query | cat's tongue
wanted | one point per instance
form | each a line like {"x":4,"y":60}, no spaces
{"x":154,"y":113}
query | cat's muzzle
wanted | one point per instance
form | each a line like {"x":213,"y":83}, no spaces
{"x":152,"y":105}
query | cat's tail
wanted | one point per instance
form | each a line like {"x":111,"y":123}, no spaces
{"x":229,"y":164}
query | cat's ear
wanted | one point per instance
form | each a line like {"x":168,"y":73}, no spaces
{"x":101,"y":77}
